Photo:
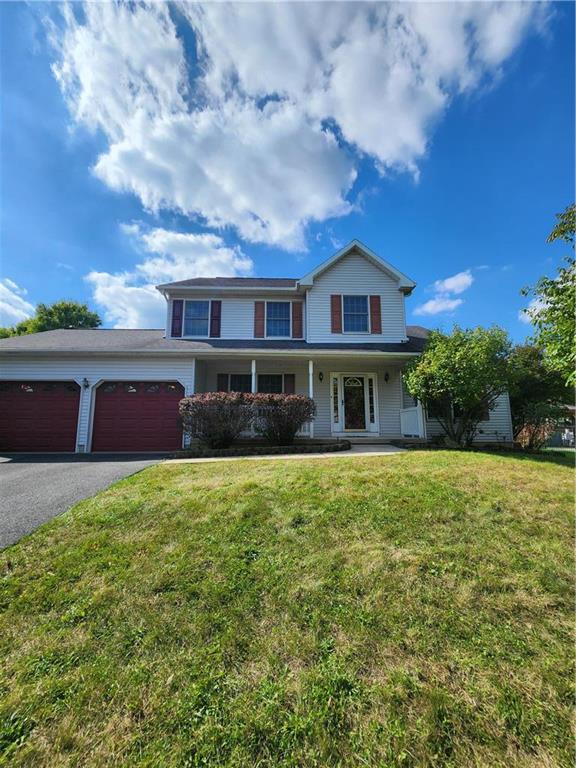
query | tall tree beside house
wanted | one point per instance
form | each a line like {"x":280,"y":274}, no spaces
{"x":459,"y":377}
{"x":50,"y":317}
{"x":553,"y":310}
{"x":537,"y":396}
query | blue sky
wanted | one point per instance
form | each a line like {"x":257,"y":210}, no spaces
{"x":141,"y":145}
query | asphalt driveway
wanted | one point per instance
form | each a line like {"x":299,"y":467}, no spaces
{"x":36,"y":488}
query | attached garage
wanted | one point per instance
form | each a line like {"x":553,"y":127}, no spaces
{"x":38,"y":416}
{"x":137,"y":416}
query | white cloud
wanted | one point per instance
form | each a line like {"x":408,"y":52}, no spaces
{"x":535,"y":306}
{"x":444,"y":290}
{"x":13,"y":306}
{"x":262,"y":127}
{"x":437,"y":305}
{"x":455,"y":284}
{"x":130,"y":299}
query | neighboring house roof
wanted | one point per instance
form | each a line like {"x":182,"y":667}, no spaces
{"x":405,"y":284}
{"x":137,"y":341}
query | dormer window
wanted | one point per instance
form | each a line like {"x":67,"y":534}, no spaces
{"x":355,"y":314}
{"x":196,"y":318}
{"x":278,"y":318}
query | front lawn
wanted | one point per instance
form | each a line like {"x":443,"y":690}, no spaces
{"x":409,"y":610}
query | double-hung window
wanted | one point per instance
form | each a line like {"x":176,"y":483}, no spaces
{"x":196,"y":318}
{"x":278,"y":318}
{"x":355,"y":313}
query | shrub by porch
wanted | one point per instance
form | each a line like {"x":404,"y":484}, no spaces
{"x":217,"y":419}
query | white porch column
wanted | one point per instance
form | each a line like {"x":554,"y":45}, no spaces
{"x":421,"y":419}
{"x":311,"y":389}
{"x":254,"y":380}
{"x":191,"y":387}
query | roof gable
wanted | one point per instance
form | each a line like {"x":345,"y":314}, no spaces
{"x":405,"y":284}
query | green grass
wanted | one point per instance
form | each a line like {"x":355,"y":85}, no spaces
{"x":411,"y":610}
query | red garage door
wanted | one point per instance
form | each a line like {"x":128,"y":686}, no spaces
{"x":38,"y":415}
{"x":137,"y":416}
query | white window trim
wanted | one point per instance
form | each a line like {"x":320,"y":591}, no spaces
{"x":357,"y":333}
{"x":195,"y":336}
{"x":276,"y":301}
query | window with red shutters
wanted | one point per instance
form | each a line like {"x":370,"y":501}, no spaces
{"x":177,"y":314}
{"x":336,"y":313}
{"x":259,"y":319}
{"x":375,"y":315}
{"x":215,"y":318}
{"x":297,"y":320}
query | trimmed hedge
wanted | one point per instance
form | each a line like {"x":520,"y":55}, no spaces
{"x":217,"y":419}
{"x":262,"y":450}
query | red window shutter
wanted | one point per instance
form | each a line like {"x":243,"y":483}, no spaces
{"x":375,"y":315}
{"x":336,"y":311}
{"x":258,"y":319}
{"x":222,"y":382}
{"x":289,"y":384}
{"x":215,"y":318}
{"x":297,"y":323}
{"x":177,"y":312}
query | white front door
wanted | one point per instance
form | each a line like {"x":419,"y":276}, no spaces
{"x":354,"y":402}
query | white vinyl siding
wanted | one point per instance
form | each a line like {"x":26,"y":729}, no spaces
{"x":497,"y":429}
{"x":97,"y":369}
{"x":354,"y":274}
{"x":237,"y":320}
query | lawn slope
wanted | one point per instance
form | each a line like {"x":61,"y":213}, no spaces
{"x":411,"y":610}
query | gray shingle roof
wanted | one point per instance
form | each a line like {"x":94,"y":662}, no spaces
{"x":231,"y":282}
{"x":99,"y":341}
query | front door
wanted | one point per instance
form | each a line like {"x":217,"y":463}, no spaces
{"x":354,"y":403}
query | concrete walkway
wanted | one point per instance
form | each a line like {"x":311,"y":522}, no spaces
{"x":356,"y":450}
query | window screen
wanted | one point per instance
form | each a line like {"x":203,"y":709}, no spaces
{"x":196,"y":314}
{"x":355,"y":314}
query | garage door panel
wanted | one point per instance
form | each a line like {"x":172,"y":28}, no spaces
{"x":38,"y":415}
{"x":137,"y":416}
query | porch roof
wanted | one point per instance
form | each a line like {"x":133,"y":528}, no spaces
{"x":143,"y":342}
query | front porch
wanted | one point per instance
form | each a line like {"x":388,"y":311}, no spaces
{"x":357,"y":397}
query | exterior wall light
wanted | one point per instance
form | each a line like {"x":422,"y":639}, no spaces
{"x":321,"y":376}
{"x":386,"y":377}
{"x":85,"y":383}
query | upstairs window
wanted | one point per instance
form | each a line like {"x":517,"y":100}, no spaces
{"x":278,"y":318}
{"x":196,"y":318}
{"x":355,"y":314}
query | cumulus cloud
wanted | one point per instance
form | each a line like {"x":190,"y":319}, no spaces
{"x":13,"y":306}
{"x":437,"y":305}
{"x":261,"y":126}
{"x":455,"y":284}
{"x":444,"y":290}
{"x":130,"y":299}
{"x":535,"y":306}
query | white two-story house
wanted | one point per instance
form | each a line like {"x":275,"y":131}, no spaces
{"x":338,"y":334}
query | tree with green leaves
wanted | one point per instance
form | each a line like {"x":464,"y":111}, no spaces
{"x":553,"y":308}
{"x":62,"y":314}
{"x":537,"y":396}
{"x":459,"y":377}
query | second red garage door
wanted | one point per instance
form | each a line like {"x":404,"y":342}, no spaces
{"x":137,"y":416}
